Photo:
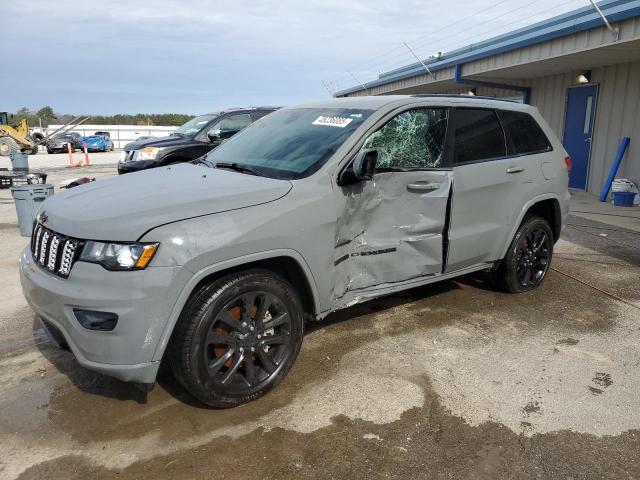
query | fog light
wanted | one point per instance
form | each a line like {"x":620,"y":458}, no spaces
{"x":101,"y":321}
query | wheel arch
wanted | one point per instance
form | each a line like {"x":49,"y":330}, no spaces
{"x":546,"y":206}
{"x":287,"y":263}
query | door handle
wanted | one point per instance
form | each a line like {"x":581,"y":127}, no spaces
{"x":588,"y":139}
{"x":515,"y":169}
{"x":423,"y":187}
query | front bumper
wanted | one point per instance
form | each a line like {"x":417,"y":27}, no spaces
{"x":58,"y":148}
{"x":135,"y":166}
{"x":142,"y":300}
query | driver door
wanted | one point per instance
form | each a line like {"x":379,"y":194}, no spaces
{"x":392,"y":227}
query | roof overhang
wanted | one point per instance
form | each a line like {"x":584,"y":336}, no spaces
{"x":600,"y":48}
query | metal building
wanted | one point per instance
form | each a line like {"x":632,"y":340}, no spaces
{"x":582,"y":74}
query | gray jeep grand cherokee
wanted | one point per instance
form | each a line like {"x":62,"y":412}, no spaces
{"x":216,"y":265}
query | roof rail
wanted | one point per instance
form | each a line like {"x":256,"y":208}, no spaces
{"x":462,"y":95}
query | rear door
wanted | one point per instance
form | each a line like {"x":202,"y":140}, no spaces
{"x":391,"y":229}
{"x":494,"y":176}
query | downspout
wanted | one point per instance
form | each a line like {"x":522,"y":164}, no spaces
{"x":477,"y":83}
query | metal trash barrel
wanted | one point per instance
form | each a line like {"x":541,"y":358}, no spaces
{"x":19,"y":162}
{"x":28,"y":199}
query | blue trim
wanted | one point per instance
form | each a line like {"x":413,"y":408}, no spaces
{"x":477,"y":83}
{"x":579,"y":20}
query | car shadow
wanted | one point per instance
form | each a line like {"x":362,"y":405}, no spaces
{"x":85,"y":380}
{"x":95,"y":383}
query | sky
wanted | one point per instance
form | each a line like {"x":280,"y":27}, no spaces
{"x":196,"y":56}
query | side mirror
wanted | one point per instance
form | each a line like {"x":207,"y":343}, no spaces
{"x":361,"y":168}
{"x":214,"y":136}
{"x":364,"y":164}
{"x":217,"y":136}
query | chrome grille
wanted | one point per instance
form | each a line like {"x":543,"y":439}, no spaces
{"x":54,"y":252}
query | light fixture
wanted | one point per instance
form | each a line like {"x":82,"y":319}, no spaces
{"x":584,"y":77}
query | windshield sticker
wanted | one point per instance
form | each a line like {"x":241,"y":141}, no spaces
{"x":340,"y":122}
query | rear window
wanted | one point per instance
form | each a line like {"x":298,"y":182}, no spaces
{"x":523,"y":133}
{"x":478,"y":135}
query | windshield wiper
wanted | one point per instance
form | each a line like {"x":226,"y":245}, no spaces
{"x":203,"y":161}
{"x":178,"y":134}
{"x":238,"y":167}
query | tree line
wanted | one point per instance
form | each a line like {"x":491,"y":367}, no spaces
{"x":46,"y":116}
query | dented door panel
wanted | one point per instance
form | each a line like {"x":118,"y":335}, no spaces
{"x":391,"y":229}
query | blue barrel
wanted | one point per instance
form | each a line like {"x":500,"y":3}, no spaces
{"x":19,"y":162}
{"x":28,"y":200}
{"x":623,"y":199}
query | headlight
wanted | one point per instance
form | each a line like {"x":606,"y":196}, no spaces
{"x":148,"y":153}
{"x":119,"y":256}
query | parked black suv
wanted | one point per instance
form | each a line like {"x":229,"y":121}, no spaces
{"x":190,"y":141}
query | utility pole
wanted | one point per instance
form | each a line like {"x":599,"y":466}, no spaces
{"x":614,"y":31}
{"x":327,"y":88}
{"x":417,"y":58}
{"x":358,"y":81}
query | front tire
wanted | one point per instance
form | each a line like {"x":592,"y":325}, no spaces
{"x":528,"y":258}
{"x":237,"y":338}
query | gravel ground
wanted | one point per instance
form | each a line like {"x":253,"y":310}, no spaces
{"x":452,"y":380}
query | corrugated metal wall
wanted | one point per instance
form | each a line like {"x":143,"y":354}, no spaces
{"x":617,"y":115}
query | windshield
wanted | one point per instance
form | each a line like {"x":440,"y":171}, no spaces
{"x":291,"y":143}
{"x":194,"y":125}
{"x":63,"y":136}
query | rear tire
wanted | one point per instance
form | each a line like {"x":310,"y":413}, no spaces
{"x":7,"y":146}
{"x":528,"y":258}
{"x":237,"y":338}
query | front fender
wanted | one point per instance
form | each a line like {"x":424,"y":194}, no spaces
{"x":247,"y":260}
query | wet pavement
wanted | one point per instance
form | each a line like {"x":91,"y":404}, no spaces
{"x":452,"y":380}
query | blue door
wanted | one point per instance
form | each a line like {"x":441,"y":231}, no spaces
{"x":578,"y":131}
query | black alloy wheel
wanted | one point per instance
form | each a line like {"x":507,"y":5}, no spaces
{"x":237,"y":338}
{"x":528,"y":258}
{"x":533,"y":258}
{"x":247,"y":341}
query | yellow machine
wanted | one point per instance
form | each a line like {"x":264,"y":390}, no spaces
{"x":14,"y":138}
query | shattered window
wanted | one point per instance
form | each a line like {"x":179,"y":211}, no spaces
{"x":413,"y":139}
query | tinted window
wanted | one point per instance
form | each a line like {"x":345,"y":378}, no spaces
{"x":234,"y":123}
{"x":413,"y":139}
{"x":259,"y":114}
{"x":194,"y":125}
{"x":478,"y":135}
{"x":291,"y":143}
{"x":523,"y":133}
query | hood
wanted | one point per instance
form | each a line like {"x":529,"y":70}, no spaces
{"x":123,"y":208}
{"x":94,"y":139}
{"x":170,"y":141}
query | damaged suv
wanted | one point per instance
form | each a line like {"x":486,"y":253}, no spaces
{"x":215,"y":265}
